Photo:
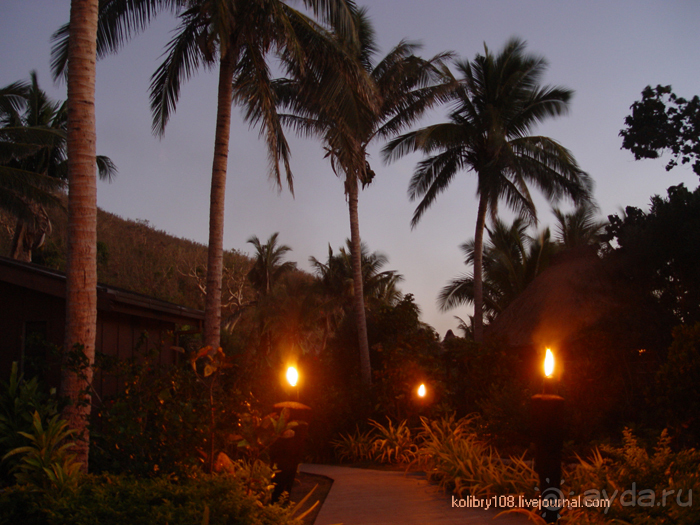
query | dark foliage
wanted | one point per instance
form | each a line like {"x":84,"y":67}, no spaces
{"x":659,"y":252}
{"x":117,"y":500}
{"x":663,"y":121}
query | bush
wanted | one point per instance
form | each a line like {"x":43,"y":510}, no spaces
{"x":19,"y":401}
{"x":453,"y":457}
{"x":45,"y":463}
{"x":637,"y":480}
{"x":678,"y":384}
{"x":118,"y":500}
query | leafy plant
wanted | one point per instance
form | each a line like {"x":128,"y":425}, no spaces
{"x":19,"y":400}
{"x":392,"y":443}
{"x":117,"y":500}
{"x":454,"y":458}
{"x":46,"y":463}
{"x":355,"y":447}
{"x":645,"y":488}
{"x":255,"y":475}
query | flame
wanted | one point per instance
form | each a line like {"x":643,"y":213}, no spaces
{"x":292,"y":376}
{"x":549,"y":363}
{"x":421,"y":390}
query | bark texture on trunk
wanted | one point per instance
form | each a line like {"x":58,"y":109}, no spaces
{"x":478,"y":271}
{"x":215,"y":258}
{"x":81,"y":267}
{"x":357,"y":282}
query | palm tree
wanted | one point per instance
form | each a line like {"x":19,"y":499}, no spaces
{"x":511,"y":261}
{"x":349,"y":105}
{"x":24,"y":190}
{"x":337,"y":283}
{"x":81,"y":270}
{"x":269,"y":266}
{"x":580,"y":227}
{"x":498,"y":100}
{"x":238,"y":35}
{"x":30,"y":111}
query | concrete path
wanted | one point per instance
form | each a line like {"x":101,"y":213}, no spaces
{"x":377,"y":497}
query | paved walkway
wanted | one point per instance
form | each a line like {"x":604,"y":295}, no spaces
{"x":377,"y":497}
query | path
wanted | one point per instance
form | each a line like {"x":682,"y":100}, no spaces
{"x":377,"y":497}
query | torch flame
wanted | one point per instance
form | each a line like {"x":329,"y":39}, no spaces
{"x":292,"y":376}
{"x":421,"y":390}
{"x":549,"y":363}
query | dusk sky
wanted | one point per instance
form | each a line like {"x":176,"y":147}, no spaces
{"x":606,"y":51}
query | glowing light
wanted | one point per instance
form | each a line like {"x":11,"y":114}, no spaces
{"x":292,"y":376}
{"x":421,"y":390}
{"x":549,"y":363}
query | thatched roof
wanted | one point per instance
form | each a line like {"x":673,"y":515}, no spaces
{"x":573,"y":294}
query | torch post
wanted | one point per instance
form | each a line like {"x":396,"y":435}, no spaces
{"x":547,"y":410}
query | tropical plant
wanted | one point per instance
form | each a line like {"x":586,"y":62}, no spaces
{"x":642,"y":487}
{"x":392,"y":443}
{"x":337,"y":284}
{"x":269,"y":265}
{"x":497,"y":101}
{"x":579,"y":227}
{"x":33,"y":163}
{"x":511,"y":261}
{"x":19,"y":400}
{"x":115,"y":500}
{"x":350,"y":104}
{"x":457,"y":460}
{"x":238,"y":36}
{"x":355,"y":447}
{"x":46,"y":463}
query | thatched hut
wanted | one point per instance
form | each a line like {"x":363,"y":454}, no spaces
{"x":598,"y":327}
{"x":575,"y":293}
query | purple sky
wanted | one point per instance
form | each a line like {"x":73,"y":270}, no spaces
{"x":606,"y":51}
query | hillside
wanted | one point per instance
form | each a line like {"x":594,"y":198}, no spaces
{"x":135,"y":256}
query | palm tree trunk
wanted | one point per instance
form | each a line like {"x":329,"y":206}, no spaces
{"x":215,"y":259}
{"x":478,"y":271}
{"x":81,"y":271}
{"x":357,"y":282}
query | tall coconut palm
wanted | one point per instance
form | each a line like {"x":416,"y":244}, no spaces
{"x":351,"y":108}
{"x":498,"y":101}
{"x":81,"y":268}
{"x":32,"y":112}
{"x":512,"y":260}
{"x":238,"y":36}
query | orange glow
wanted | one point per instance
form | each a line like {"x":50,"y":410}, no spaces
{"x":421,"y":390}
{"x":549,"y":363}
{"x":292,"y":376}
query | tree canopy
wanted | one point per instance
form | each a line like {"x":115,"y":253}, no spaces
{"x":659,"y":251}
{"x":661,"y":121}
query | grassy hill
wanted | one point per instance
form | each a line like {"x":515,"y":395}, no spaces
{"x":133,"y":255}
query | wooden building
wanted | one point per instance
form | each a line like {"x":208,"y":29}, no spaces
{"x":32,"y":323}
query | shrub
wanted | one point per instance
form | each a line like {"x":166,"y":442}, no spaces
{"x":636,"y":481}
{"x":45,"y":463}
{"x":355,"y":447}
{"x":118,"y":500}
{"x":392,"y":443}
{"x":19,"y":401}
{"x":454,"y":458}
{"x":678,"y":384}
